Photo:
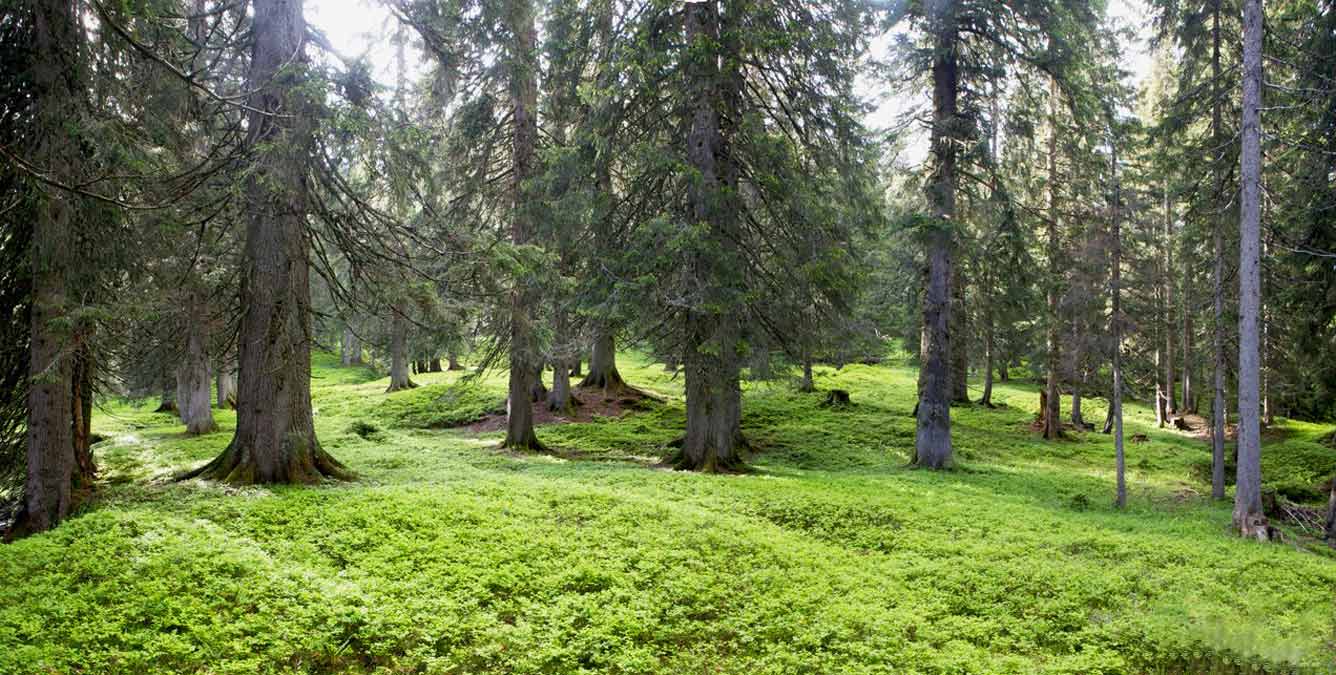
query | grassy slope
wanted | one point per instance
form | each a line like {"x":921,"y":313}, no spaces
{"x":448,"y":556}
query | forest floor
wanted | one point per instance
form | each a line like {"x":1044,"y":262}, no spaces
{"x":447,"y":555}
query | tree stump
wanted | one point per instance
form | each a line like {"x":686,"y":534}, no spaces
{"x":837,"y":398}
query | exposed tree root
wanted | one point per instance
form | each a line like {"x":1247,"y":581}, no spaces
{"x":305,"y":464}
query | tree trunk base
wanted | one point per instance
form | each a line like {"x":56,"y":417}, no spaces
{"x":712,"y":461}
{"x":836,"y":399}
{"x":401,"y":386}
{"x":236,"y":466}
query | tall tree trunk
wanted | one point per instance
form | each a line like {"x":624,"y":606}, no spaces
{"x":227,"y":386}
{"x":453,"y":362}
{"x":989,"y":350}
{"x":52,"y":465}
{"x":1219,"y":362}
{"x":1170,"y":379}
{"x":275,"y":439}
{"x":959,"y":327}
{"x":435,"y":365}
{"x":351,"y":355}
{"x":524,"y":356}
{"x":399,"y":377}
{"x":194,"y":381}
{"x":713,"y":440}
{"x":1189,"y":366}
{"x":1053,"y":400}
{"x":807,"y":385}
{"x":1249,"y":519}
{"x":932,"y":439}
{"x":1116,"y":290}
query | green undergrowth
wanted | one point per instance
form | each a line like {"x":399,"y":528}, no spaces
{"x":447,"y":555}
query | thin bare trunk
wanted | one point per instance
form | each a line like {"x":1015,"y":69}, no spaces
{"x":1170,"y":375}
{"x":1249,"y":519}
{"x":1218,"y":278}
{"x":1116,"y":290}
{"x":1053,"y":396}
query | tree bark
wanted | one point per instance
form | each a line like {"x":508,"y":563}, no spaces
{"x":807,"y":385}
{"x":453,"y":362}
{"x":48,"y":488}
{"x":275,"y":439}
{"x":932,"y":439}
{"x":524,"y":357}
{"x":194,"y":378}
{"x":435,"y":366}
{"x":81,"y":407}
{"x":1053,"y":399}
{"x":989,"y":351}
{"x":227,"y":387}
{"x":713,"y":440}
{"x":1116,"y":321}
{"x":351,"y":348}
{"x":1249,"y":518}
{"x":1218,"y":278}
{"x":960,"y":362}
{"x":603,"y":373}
{"x":399,"y":377}
{"x":1170,"y":380}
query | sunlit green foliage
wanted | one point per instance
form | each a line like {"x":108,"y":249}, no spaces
{"x":450,"y":556}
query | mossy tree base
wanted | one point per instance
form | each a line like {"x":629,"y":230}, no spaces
{"x":298,"y":462}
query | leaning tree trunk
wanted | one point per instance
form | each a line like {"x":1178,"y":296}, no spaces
{"x":1218,"y":278}
{"x":399,"y":379}
{"x":713,"y":440}
{"x":275,"y":439}
{"x":520,"y":433}
{"x":932,"y":437}
{"x":193,"y":378}
{"x":1052,"y":409}
{"x":1249,"y":519}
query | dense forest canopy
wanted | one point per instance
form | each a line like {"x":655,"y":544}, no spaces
{"x":1121,"y":206}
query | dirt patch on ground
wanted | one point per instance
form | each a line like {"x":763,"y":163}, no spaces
{"x":594,"y":403}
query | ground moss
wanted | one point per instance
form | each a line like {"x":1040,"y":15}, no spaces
{"x":448,"y":555}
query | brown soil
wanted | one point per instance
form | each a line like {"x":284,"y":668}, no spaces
{"x":593,"y":404}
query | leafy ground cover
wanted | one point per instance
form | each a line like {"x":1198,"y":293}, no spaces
{"x":450,"y":556}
